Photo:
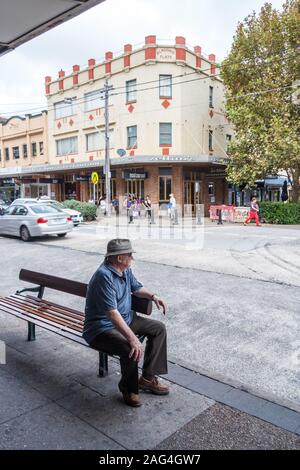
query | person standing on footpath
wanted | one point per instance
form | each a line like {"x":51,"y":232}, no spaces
{"x":147,"y":205}
{"x":254,"y":210}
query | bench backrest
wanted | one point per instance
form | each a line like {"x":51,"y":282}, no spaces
{"x":76,"y":288}
{"x":54,"y":282}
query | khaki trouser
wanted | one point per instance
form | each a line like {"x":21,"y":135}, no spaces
{"x":155,"y":357}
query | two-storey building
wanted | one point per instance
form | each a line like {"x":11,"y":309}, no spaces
{"x":23,"y":146}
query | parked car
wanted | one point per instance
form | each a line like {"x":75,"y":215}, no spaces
{"x":30,"y":220}
{"x":76,"y":215}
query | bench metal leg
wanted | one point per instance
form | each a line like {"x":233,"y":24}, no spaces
{"x":103,"y":364}
{"x":31,"y":331}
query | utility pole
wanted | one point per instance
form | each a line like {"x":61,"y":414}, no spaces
{"x":107,"y":88}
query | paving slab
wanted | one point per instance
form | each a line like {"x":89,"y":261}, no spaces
{"x":135,"y":428}
{"x":17,"y":397}
{"x":52,"y":428}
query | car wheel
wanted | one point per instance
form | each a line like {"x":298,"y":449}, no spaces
{"x":61,"y":235}
{"x":24,"y":233}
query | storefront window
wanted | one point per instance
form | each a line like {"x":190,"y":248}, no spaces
{"x":165,"y":188}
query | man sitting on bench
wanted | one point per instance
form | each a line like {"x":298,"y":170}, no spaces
{"x":111,"y":326}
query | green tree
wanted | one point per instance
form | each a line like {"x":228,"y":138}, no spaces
{"x":264,"y":56}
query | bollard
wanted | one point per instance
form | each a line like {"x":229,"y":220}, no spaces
{"x":220,"y":222}
{"x":152,"y":217}
{"x":199,"y":216}
{"x":175,"y":217}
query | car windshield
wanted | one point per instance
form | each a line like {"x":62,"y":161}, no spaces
{"x":44,"y":209}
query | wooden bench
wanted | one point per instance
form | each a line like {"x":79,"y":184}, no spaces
{"x":59,"y":319}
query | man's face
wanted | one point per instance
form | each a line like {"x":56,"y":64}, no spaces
{"x":125,"y":260}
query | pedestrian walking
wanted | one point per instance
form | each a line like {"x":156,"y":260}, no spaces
{"x":111,"y":326}
{"x":254,"y":210}
{"x":147,"y":205}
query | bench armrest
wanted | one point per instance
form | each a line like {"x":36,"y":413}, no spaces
{"x":141,"y":305}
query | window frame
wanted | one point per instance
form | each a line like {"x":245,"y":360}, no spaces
{"x":33,"y":149}
{"x":16,"y":151}
{"x":69,"y":108}
{"x":24,"y":153}
{"x":161,"y":86}
{"x":129,"y":91}
{"x":129,"y":137}
{"x":72,"y":151}
{"x":162,"y":135}
{"x":211,"y":96}
{"x":7,"y":152}
{"x":210,"y":140}
{"x":92,"y":94}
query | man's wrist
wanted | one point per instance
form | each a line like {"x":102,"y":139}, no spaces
{"x":153,"y":296}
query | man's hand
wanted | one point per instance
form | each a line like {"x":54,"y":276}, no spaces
{"x":160,"y":303}
{"x":136,"y":349}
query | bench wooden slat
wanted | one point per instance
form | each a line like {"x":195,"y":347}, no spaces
{"x":11,"y":304}
{"x":41,"y":303}
{"x":43,"y":310}
{"x":62,"y":332}
{"x":72,"y":310}
{"x":54,"y":282}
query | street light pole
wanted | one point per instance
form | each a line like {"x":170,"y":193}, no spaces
{"x":106,"y":91}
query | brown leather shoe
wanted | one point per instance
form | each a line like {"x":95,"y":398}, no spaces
{"x":131,"y":399}
{"x":153,"y":386}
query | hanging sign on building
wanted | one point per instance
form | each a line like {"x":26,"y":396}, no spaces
{"x":94,"y":177}
{"x":131,"y":175}
{"x":82,"y":178}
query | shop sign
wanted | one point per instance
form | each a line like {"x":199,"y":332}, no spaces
{"x":220,"y":172}
{"x":166,"y":54}
{"x":7,"y":181}
{"x":130,"y":175}
{"x":169,"y":158}
{"x":82,"y":178}
{"x":51,"y":180}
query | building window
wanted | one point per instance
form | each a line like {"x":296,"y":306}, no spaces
{"x":16,"y":153}
{"x":228,"y":139}
{"x":96,"y":140}
{"x":165,"y":133}
{"x":93,"y":100}
{"x":130,"y":91}
{"x":165,"y":188}
{"x":165,"y":86}
{"x":64,"y":108}
{"x":211,"y":189}
{"x":66,"y":146}
{"x":132,"y":136}
{"x":33,"y":149}
{"x":210,"y":139}
{"x":93,"y":141}
{"x":211,"y":97}
{"x":6,"y":150}
{"x":25,"y":155}
{"x":41,"y":148}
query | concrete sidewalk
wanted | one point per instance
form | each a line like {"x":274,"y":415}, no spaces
{"x":52,"y":398}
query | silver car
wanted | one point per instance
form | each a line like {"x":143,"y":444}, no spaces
{"x":34,"y":220}
{"x":76,"y":215}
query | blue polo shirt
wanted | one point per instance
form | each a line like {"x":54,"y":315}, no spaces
{"x":108,"y":290}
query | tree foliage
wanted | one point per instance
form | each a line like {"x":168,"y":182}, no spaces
{"x":259,"y":74}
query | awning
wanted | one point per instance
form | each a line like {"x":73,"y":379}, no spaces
{"x":279,"y":181}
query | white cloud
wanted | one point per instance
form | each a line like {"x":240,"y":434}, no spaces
{"x":208,"y":23}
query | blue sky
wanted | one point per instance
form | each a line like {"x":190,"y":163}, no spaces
{"x":108,"y":26}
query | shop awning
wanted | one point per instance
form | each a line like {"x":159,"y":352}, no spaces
{"x":279,"y":181}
